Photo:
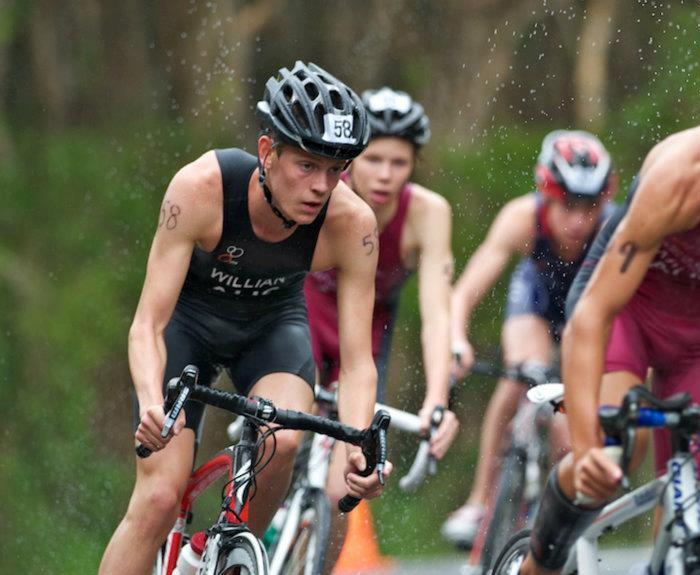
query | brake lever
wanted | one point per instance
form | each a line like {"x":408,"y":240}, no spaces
{"x":629,"y":435}
{"x":379,"y":428}
{"x":374,"y":448}
{"x":435,"y":422}
{"x":185,"y":384}
{"x":627,"y":451}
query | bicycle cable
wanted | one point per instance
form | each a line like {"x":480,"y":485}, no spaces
{"x":257,"y":467}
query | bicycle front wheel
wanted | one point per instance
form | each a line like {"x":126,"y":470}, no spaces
{"x":305,"y":554}
{"x":512,"y":555}
{"x":245,"y":556}
{"x":509,"y":507}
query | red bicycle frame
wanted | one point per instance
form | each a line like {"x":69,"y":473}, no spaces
{"x":223,"y":463}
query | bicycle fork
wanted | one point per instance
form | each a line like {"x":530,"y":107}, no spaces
{"x":234,"y":506}
{"x":681,"y":513}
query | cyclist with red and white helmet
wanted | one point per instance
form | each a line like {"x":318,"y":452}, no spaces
{"x":551,"y":230}
{"x":224,"y":290}
{"x":633,"y":311}
{"x":414,"y":226}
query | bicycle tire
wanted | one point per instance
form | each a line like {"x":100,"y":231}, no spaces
{"x":510,"y":557}
{"x":246,"y":556}
{"x":508,"y":513}
{"x":306,"y":554}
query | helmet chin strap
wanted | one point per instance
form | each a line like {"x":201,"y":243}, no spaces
{"x":287,"y":224}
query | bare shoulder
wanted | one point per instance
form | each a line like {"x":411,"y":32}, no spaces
{"x":684,"y":145}
{"x":197,"y":180}
{"x":348,"y":213}
{"x":193,"y":200}
{"x":515,"y":223}
{"x":522,"y":208}
{"x":669,"y":188}
{"x":349,"y":230}
{"x":426,"y":204}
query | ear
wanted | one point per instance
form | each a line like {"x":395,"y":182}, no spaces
{"x":264,"y":148}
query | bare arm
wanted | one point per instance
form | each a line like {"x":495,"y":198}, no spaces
{"x":167,"y":266}
{"x":510,"y":233}
{"x":662,"y":205}
{"x":356,"y":268}
{"x":356,"y":249}
{"x":617,"y":277}
{"x":435,"y":276}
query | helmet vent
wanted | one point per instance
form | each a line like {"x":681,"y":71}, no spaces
{"x":299,"y":115}
{"x":311,"y":90}
{"x":336,"y":98}
{"x":318,"y":114}
{"x":288,"y":92}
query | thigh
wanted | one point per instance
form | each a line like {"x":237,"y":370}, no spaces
{"x":286,"y":391}
{"x":281,"y":347}
{"x":627,"y":348}
{"x":527,"y":337}
{"x":685,"y":378}
{"x":184,"y":346}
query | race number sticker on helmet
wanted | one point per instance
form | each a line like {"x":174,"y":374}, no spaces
{"x":338,"y":129}
{"x":386,"y":99}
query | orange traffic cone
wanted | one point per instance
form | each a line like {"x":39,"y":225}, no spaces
{"x":360,"y":553}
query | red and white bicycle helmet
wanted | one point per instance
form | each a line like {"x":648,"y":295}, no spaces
{"x":574,"y":164}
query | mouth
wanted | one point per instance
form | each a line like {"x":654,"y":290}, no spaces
{"x":575,"y":236}
{"x":311,"y":207}
{"x":379,"y":196}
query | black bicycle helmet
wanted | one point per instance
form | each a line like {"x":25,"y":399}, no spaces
{"x":393,"y":113}
{"x":309,"y":108}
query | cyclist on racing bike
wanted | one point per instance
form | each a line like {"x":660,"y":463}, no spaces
{"x":551,"y":230}
{"x":414,"y":232}
{"x":638,"y":307}
{"x":224,"y":289}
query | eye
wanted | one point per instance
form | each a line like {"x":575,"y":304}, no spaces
{"x":336,"y":170}
{"x":306,"y":166}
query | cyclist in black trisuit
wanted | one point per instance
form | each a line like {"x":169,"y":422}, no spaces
{"x":224,"y":290}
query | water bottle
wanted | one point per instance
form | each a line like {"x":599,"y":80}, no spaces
{"x":190,"y":559}
{"x":272,"y":533}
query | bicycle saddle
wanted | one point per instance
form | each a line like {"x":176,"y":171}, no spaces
{"x":546,"y":392}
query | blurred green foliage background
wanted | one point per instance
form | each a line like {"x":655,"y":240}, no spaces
{"x":101,"y":103}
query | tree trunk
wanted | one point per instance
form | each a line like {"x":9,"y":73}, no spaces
{"x":590,"y":73}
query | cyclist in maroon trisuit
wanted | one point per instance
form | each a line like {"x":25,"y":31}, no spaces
{"x":414,"y":233}
{"x":550,"y":230}
{"x":636,"y":306}
{"x":224,"y":290}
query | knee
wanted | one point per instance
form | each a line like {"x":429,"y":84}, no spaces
{"x":154,"y":507}
{"x":286,"y":444}
{"x":335,"y":490}
{"x":505,"y":398}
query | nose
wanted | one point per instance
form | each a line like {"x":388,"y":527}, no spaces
{"x":323,"y":183}
{"x":384,"y":171}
